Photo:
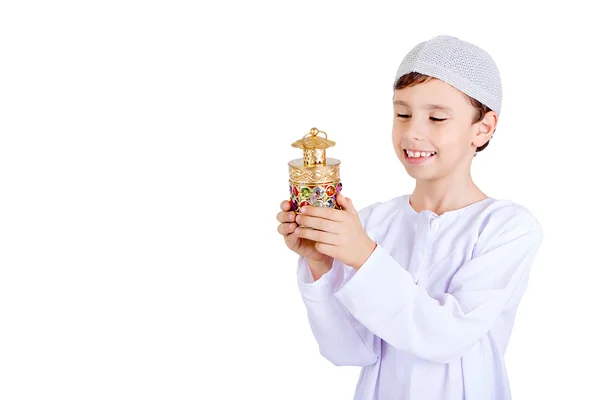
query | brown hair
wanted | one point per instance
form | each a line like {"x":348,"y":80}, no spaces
{"x":414,"y":78}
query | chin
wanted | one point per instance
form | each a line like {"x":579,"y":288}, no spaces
{"x":419,"y":174}
{"x":422,"y":172}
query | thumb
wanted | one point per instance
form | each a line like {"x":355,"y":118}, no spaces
{"x":346,"y":204}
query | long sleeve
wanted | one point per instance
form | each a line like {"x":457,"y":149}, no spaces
{"x":342,"y":339}
{"x":440,"y":327}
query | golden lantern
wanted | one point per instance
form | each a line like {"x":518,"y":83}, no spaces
{"x":314,"y":178}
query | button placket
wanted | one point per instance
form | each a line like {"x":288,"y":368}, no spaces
{"x":434,"y":225}
{"x":429,"y":222}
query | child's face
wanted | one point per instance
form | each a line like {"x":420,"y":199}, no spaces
{"x":416,"y":128}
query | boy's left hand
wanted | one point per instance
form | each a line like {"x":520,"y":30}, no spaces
{"x":340,"y":233}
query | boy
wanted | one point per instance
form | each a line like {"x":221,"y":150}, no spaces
{"x":421,"y":291}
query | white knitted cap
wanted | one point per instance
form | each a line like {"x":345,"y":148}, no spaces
{"x":463,"y":65}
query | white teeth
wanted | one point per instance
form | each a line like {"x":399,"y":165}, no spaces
{"x":415,"y":154}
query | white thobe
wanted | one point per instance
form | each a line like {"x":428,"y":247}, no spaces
{"x":429,"y":314}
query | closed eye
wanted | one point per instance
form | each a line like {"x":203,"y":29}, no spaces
{"x":431,"y":118}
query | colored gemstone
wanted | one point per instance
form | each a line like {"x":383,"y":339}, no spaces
{"x":330,"y":190}
{"x":318,"y":192}
{"x":305,"y":192}
{"x":304,"y":203}
{"x":295,"y":191}
{"x":330,"y":203}
{"x":312,"y":198}
{"x":318,"y":203}
{"x":339,"y":187}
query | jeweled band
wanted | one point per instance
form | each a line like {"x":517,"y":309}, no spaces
{"x":319,"y":195}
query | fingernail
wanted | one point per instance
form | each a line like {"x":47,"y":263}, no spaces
{"x":303,"y":209}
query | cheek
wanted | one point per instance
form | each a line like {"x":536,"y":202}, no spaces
{"x":450,"y":137}
{"x":397,"y":135}
{"x":446,"y":142}
{"x":452,"y":146}
{"x":402,"y":130}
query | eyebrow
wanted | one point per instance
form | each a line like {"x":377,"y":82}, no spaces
{"x":428,"y":106}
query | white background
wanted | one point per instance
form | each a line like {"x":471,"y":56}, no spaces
{"x":143,"y":157}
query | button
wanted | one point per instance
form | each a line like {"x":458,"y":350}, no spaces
{"x":435,"y":225}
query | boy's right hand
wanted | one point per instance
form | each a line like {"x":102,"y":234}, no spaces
{"x":303,"y":247}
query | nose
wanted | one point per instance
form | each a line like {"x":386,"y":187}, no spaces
{"x":412,"y":131}
{"x":415,"y":136}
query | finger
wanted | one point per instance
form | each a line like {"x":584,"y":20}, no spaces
{"x":287,"y":228}
{"x":291,"y":237}
{"x":288,"y":216}
{"x":285,"y":205}
{"x":346,"y":204}
{"x":317,"y":236}
{"x":327,"y":249}
{"x":322,"y":224}
{"x":323,"y":212}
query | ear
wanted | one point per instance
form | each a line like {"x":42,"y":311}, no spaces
{"x":485,"y":128}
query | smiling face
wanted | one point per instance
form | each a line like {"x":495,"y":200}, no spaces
{"x":433,"y":131}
